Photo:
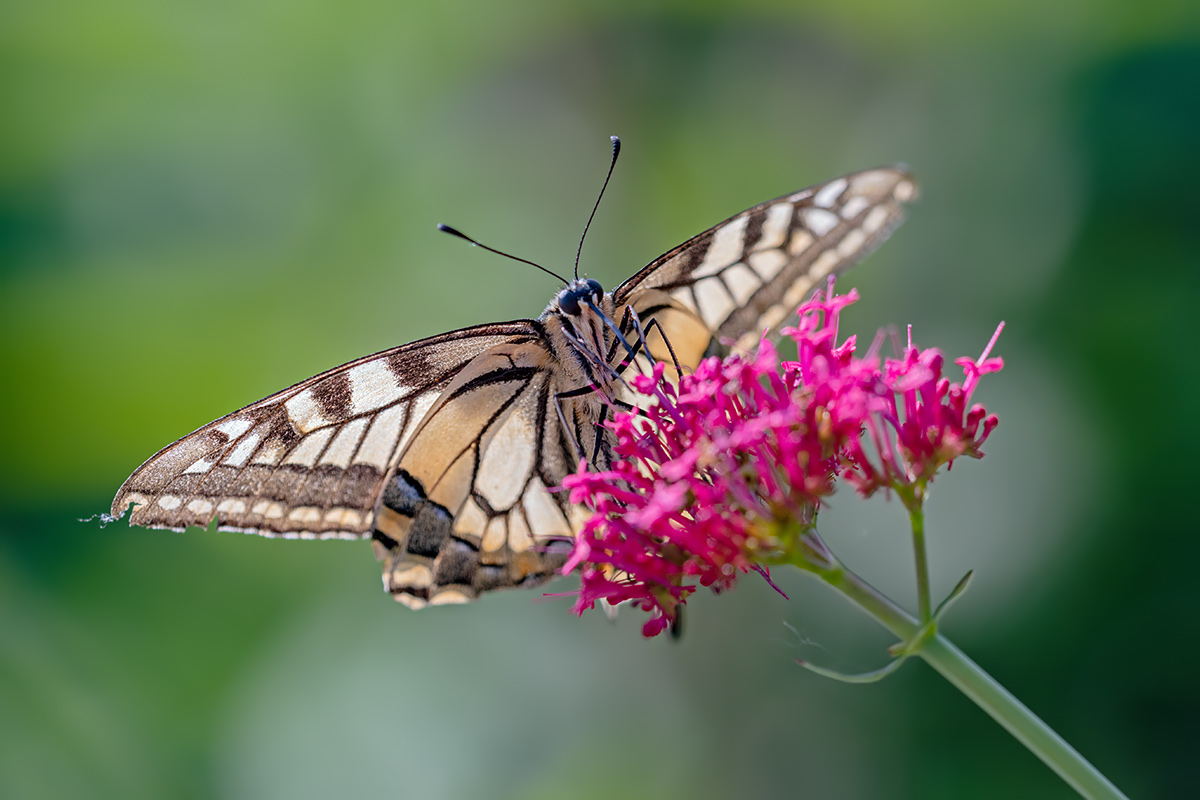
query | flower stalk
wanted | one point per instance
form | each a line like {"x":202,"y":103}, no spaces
{"x":970,"y":679}
{"x":913,"y":499}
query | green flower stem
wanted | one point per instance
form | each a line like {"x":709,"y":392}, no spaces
{"x":976,"y":684}
{"x":913,"y":498}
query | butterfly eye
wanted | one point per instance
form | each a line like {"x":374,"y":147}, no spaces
{"x":568,"y":302}
{"x":595,"y":288}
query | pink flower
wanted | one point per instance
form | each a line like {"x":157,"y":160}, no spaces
{"x":712,"y":471}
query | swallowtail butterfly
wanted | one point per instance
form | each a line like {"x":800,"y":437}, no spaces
{"x":441,"y":451}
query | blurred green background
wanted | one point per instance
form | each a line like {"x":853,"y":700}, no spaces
{"x":203,"y":203}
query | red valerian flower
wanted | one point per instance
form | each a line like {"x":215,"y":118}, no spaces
{"x":710,"y":469}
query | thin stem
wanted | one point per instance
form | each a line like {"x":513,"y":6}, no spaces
{"x":976,"y":684}
{"x":916,"y":514}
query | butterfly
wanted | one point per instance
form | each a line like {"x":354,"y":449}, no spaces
{"x":441,"y":452}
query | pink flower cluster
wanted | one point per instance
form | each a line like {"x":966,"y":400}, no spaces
{"x":708,"y":468}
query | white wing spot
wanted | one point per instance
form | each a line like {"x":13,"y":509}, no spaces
{"x":545,"y":518}
{"x":905,"y":191}
{"x":742,"y":282}
{"x":200,"y":506}
{"x":305,"y":413}
{"x":416,"y":576}
{"x":875,"y":219}
{"x":775,"y":226}
{"x":415,"y":603}
{"x":726,"y":248}
{"x":823,"y":265}
{"x":376,"y":449}
{"x":135,"y":499}
{"x":235,"y":426}
{"x":715,"y":303}
{"x":873,"y":182}
{"x":344,"y":516}
{"x":448,"y":597}
{"x":268,"y":508}
{"x":271,"y":452}
{"x":507,"y":461}
{"x":169,"y":502}
{"x":471,"y":521}
{"x":232,"y":505}
{"x":200,"y":466}
{"x":801,"y":241}
{"x":238,"y":455}
{"x":341,"y":450}
{"x":305,"y":514}
{"x":851,"y":244}
{"x":372,"y":385}
{"x":854,"y":206}
{"x":495,"y":536}
{"x":305,"y":454}
{"x":684,"y":298}
{"x":519,"y":538}
{"x":769,"y":262}
{"x":829,"y":193}
{"x":820,"y":221}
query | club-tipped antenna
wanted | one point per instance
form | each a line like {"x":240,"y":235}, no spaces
{"x":461,"y":235}
{"x":616,"y":143}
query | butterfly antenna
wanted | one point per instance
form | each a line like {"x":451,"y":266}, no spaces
{"x":616,"y":143}
{"x":461,"y":235}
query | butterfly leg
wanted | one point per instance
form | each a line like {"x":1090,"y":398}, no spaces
{"x":614,"y":328}
{"x":572,"y":433}
{"x":632,"y":320}
{"x":644,"y":333}
{"x":628,"y":323}
{"x":599,"y":433}
{"x":562,"y":417}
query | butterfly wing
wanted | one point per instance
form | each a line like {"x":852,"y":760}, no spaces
{"x":310,"y":461}
{"x":750,"y":272}
{"x":467,"y":509}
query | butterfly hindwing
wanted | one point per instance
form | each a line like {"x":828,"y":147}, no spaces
{"x":467,"y":508}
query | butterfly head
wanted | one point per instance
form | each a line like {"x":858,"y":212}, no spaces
{"x":578,"y":294}
{"x":583,"y":312}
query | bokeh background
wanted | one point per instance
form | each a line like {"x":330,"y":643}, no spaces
{"x":201,"y":203}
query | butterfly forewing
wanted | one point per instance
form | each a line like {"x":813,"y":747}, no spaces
{"x":750,"y":272}
{"x":309,"y":461}
{"x":442,"y":451}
